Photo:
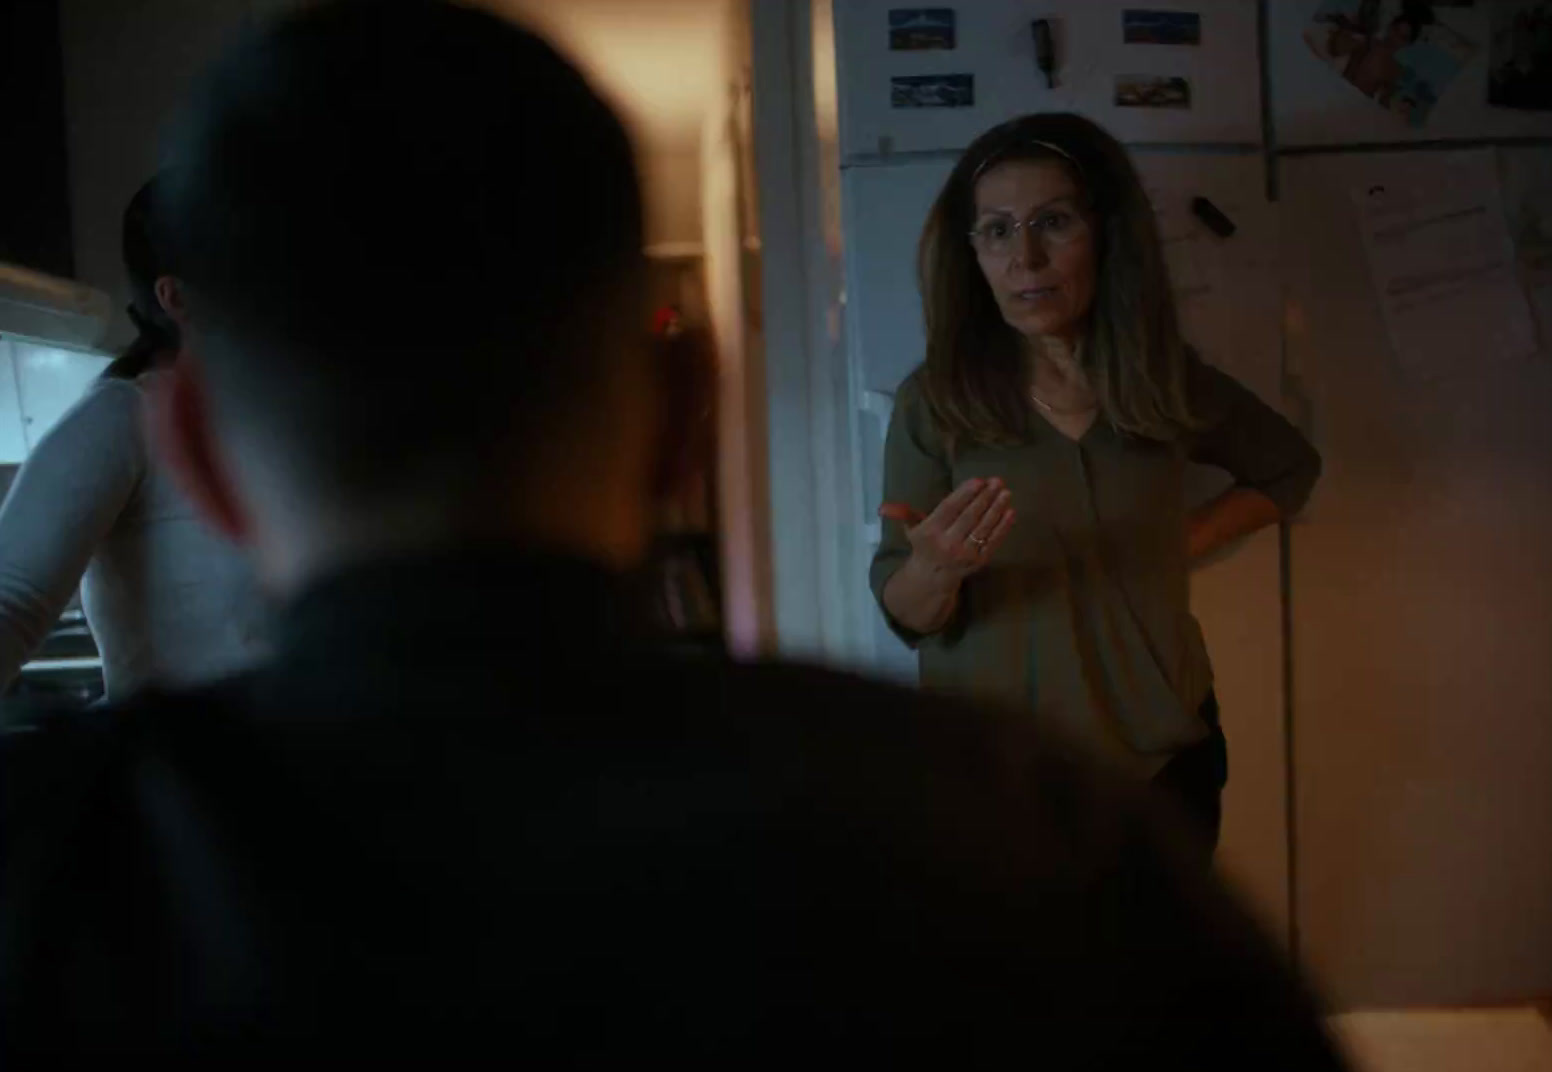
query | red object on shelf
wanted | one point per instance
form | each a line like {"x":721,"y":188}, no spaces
{"x":667,"y":322}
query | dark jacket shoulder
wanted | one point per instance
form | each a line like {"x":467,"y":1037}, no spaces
{"x":704,"y":858}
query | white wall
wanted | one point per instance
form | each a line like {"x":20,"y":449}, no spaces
{"x":661,"y":62}
{"x":671,"y":181}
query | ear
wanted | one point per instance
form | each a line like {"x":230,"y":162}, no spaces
{"x":169,"y":295}
{"x":179,"y":425}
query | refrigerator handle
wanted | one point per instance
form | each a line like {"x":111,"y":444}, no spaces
{"x":879,"y":405}
{"x":1299,"y":408}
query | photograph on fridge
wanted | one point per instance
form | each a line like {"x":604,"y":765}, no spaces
{"x":1140,"y":27}
{"x":1520,"y":56}
{"x":932,"y":91}
{"x":1152,"y":91}
{"x":921,"y":29}
{"x":1395,"y":52}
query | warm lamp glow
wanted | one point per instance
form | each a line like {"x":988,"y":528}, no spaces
{"x":658,"y":60}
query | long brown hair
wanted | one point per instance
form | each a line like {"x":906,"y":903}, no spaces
{"x":1131,"y":349}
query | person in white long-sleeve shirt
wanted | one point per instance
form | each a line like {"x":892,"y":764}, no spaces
{"x":168,"y":600}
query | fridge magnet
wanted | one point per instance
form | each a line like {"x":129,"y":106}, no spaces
{"x":1395,"y":52}
{"x":1161,"y":27}
{"x":1213,"y":217}
{"x":1520,"y":56}
{"x":920,"y":29}
{"x":932,"y":91}
{"x":1152,"y":91}
{"x":1045,"y":50}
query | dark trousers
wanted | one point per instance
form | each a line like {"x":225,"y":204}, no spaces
{"x":1195,"y":778}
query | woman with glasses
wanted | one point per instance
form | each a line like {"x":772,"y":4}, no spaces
{"x":1037,"y":541}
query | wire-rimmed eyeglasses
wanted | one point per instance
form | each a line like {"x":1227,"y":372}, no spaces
{"x":998,"y":236}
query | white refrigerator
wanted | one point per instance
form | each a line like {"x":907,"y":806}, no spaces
{"x":893,"y":162}
{"x":1358,"y":841}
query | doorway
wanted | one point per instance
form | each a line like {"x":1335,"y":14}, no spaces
{"x":679,"y":73}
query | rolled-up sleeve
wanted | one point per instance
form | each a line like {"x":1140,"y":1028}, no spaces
{"x":917,"y":474}
{"x":1250,"y":440}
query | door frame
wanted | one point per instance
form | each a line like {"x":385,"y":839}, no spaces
{"x":814,"y":546}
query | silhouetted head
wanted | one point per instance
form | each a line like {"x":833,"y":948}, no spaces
{"x":411,"y":235}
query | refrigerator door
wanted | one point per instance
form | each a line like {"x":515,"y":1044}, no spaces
{"x":884,"y":209}
{"x":1228,"y":291}
{"x":1421,"y":607}
{"x":995,"y":46}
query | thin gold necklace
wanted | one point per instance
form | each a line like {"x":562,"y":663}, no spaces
{"x":1053,"y":411}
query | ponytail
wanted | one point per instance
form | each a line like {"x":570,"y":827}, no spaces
{"x":139,"y":356}
{"x":155,"y":331}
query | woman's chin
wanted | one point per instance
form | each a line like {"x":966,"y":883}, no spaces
{"x":1044,"y":325}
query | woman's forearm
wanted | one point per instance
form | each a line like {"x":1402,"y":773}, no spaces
{"x":921,"y":598}
{"x":1233,"y":515}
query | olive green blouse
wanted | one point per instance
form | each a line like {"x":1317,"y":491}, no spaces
{"x":1082,"y":615}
